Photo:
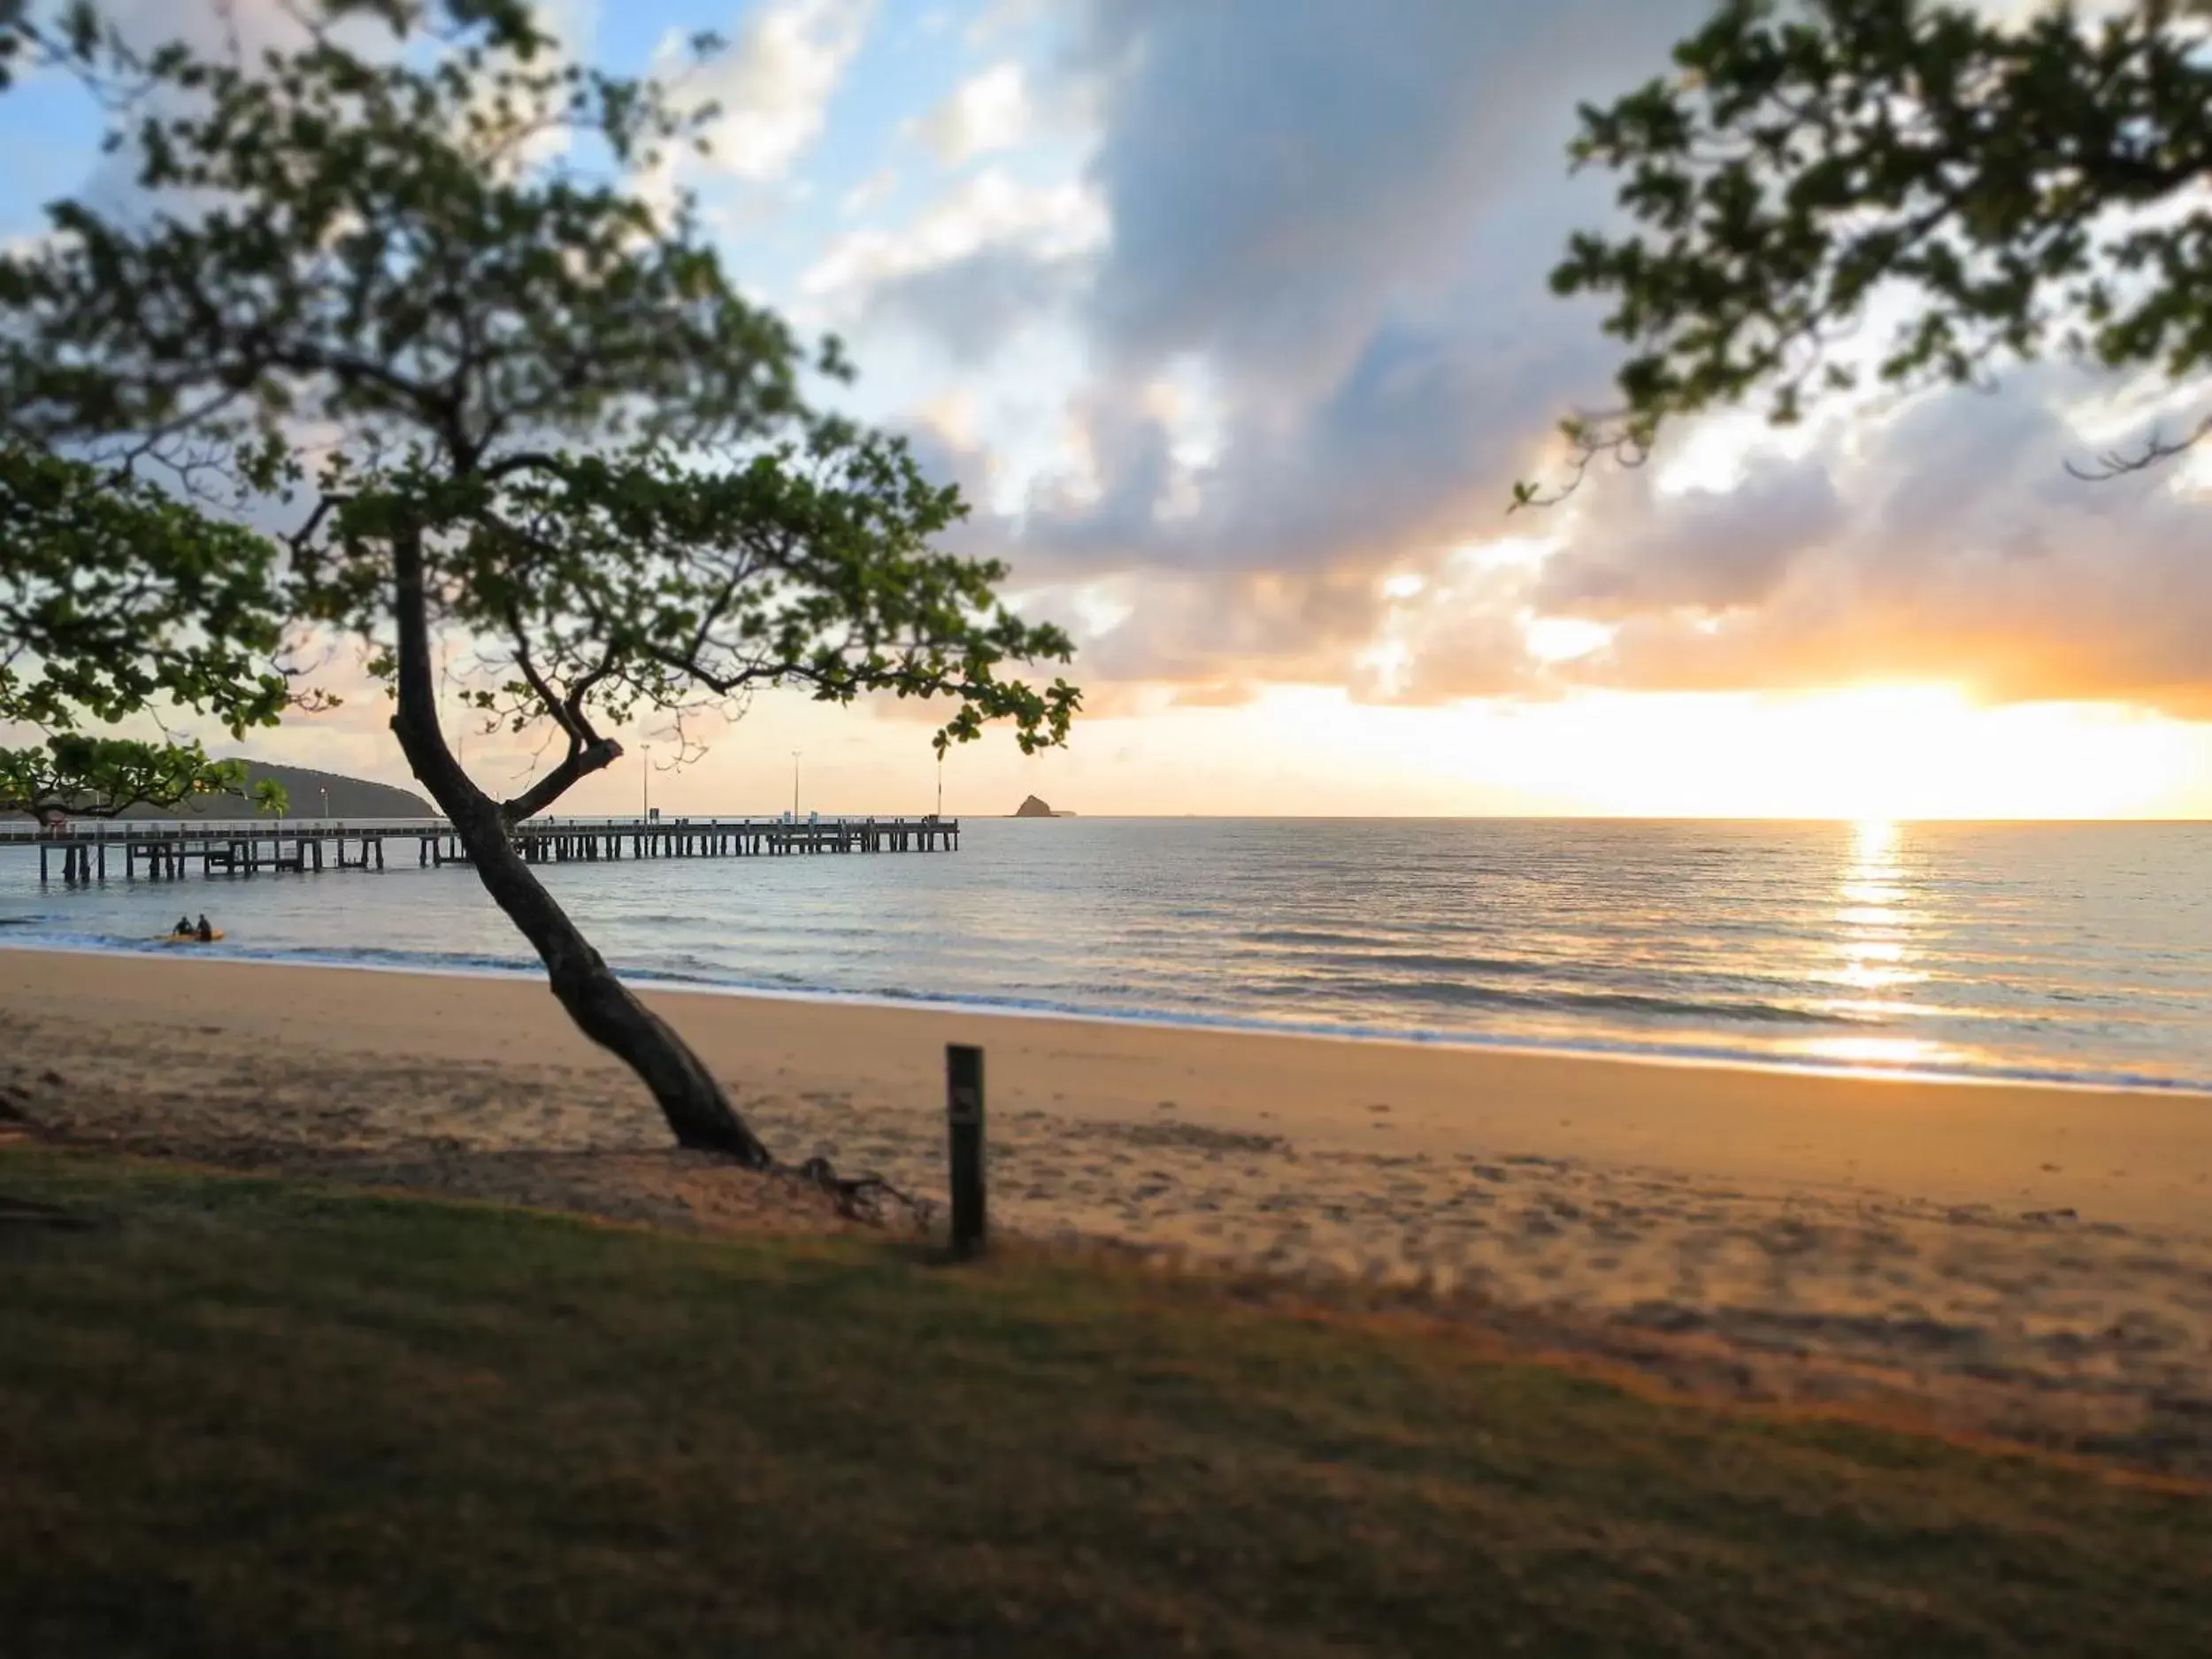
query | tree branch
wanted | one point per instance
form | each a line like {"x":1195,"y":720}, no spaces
{"x":582,"y":761}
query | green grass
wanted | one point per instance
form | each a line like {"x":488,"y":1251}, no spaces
{"x":242,"y":1417}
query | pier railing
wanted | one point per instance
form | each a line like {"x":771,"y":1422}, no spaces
{"x":118,"y":829}
{"x":166,"y":847}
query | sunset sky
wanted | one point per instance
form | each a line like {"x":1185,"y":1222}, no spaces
{"x":1229,"y":315}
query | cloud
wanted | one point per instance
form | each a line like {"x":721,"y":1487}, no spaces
{"x":773,"y":87}
{"x":989,"y":111}
{"x":1342,"y":232}
{"x":242,"y":31}
{"x":1709,"y":549}
{"x":1948,"y":544}
{"x":971,"y":269}
{"x":1281,"y":172}
{"x":869,"y":194}
{"x":1407,"y":455}
{"x":998,"y":18}
{"x":1464,"y":635}
{"x":1216,"y":629}
{"x":942,"y":439}
{"x":972,"y":306}
{"x":992,"y":210}
{"x":574,"y":24}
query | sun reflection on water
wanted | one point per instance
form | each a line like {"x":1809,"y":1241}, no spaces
{"x":1873,"y":943}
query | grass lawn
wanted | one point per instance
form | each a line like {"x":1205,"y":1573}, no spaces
{"x":245,"y":1417}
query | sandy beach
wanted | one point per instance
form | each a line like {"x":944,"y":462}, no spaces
{"x":2024,"y":1260}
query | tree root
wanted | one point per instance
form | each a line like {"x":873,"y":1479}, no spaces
{"x":864,"y":1198}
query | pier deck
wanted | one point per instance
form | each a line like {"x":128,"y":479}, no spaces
{"x":166,"y":849}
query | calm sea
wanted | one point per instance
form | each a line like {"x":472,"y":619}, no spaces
{"x":2078,"y":952}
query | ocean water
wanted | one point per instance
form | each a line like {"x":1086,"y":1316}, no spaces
{"x":2063,"y":951}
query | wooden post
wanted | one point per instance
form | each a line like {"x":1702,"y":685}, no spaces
{"x":964,"y":1120}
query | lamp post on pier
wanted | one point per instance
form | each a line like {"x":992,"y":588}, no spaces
{"x":795,"y":786}
{"x":645,"y":780}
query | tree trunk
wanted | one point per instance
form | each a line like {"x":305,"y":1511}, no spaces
{"x":693,"y":1103}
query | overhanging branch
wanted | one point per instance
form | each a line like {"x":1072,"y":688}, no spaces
{"x":581,"y":763}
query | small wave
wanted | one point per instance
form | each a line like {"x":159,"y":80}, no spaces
{"x":462,"y":965}
{"x":1556,"y":999}
{"x":376,"y":956}
{"x":1306,"y":936}
{"x":1725,"y":943}
{"x":1414,"y":962}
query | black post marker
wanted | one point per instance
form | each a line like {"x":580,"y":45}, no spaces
{"x":964,"y":1119}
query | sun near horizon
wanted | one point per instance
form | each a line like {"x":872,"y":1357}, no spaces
{"x":1262,"y":479}
{"x":1869,"y":753}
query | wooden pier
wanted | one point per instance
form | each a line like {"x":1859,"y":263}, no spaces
{"x":167,"y":850}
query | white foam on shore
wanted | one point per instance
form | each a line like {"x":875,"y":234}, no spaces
{"x":1700,"y":1057}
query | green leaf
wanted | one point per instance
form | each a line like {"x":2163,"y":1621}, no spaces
{"x":548,"y":423}
{"x":2002,"y":182}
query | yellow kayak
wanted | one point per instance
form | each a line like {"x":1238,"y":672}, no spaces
{"x":214,"y":934}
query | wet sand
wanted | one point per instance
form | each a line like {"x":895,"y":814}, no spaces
{"x":2028,"y":1260}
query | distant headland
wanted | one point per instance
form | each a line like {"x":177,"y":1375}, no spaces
{"x":1034,"y":808}
{"x":311,"y":794}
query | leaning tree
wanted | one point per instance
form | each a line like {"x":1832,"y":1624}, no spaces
{"x":1997,"y":189}
{"x":118,"y":601}
{"x":413,"y":272}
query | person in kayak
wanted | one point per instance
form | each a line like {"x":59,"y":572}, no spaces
{"x":183,"y":929}
{"x":204,"y":931}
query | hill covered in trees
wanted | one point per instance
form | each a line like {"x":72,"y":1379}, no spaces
{"x":348,"y":798}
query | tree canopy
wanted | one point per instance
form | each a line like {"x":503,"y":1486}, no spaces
{"x":412,"y":273}
{"x":1980,"y":190}
{"x":76,"y":774}
{"x":117,"y":599}
{"x":521,"y":368}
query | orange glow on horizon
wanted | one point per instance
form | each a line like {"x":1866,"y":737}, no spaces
{"x":1868,"y":754}
{"x":1874,"y":755}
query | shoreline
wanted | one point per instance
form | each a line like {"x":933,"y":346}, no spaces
{"x":1696,"y":1057}
{"x":1942,"y":1139}
{"x":2026,"y":1260}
